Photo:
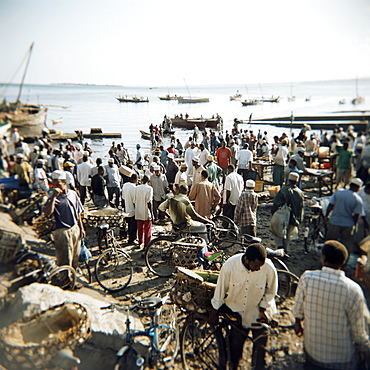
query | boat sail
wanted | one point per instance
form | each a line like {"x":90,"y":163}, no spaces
{"x":358,"y":99}
{"x":29,"y":119}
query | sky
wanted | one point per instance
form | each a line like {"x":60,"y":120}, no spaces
{"x":164,"y":42}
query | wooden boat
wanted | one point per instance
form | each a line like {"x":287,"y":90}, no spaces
{"x":358,"y":99}
{"x":56,"y":121}
{"x":169,"y":97}
{"x":191,"y":100}
{"x":342,"y":101}
{"x":251,"y":102}
{"x":270,"y":100}
{"x":190,"y":123}
{"x":145,"y":135}
{"x":134,"y":99}
{"x":29,"y":119}
{"x":236,"y":96}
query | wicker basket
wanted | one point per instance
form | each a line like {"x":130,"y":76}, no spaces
{"x":31,"y":343}
{"x":111,"y":216}
{"x":43,"y":225}
{"x":193,"y":290}
{"x":10,"y":244}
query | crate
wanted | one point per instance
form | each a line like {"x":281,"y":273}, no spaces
{"x":193,"y":290}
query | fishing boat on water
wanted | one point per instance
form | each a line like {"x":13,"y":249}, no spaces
{"x":236,"y":96}
{"x":169,"y":97}
{"x":56,"y":121}
{"x":145,"y":135}
{"x":191,"y":100}
{"x":270,"y":100}
{"x":201,"y":122}
{"x":358,"y":99}
{"x":29,"y":119}
{"x":134,"y":99}
{"x":251,"y":102}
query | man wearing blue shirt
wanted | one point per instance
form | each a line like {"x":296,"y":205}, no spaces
{"x":346,"y":207}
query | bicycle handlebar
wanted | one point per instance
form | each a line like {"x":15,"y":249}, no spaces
{"x":148,"y":303}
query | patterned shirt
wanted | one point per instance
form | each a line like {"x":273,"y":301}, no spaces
{"x":246,"y":208}
{"x":333,"y":308}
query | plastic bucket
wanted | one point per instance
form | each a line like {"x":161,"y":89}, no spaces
{"x":259,"y":186}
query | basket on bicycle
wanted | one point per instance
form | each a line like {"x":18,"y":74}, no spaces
{"x":32,"y":342}
{"x":186,"y":256}
{"x":43,"y":225}
{"x":193,"y":290}
{"x":10,"y":244}
{"x":111,"y":216}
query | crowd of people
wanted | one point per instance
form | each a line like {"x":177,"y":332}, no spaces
{"x":212,"y":173}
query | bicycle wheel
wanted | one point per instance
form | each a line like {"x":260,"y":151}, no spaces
{"x":202,"y":346}
{"x":62,"y":276}
{"x":113,"y":270}
{"x":159,"y":256}
{"x":168,"y":336}
{"x":84,"y":272}
{"x":226,"y":227}
{"x":287,"y":285}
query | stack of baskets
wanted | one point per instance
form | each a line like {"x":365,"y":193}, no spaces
{"x":111,"y":216}
{"x":193,"y":290}
{"x":32,"y":343}
{"x":10,"y":244}
{"x":43,"y":225}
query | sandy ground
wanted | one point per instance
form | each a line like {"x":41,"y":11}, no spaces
{"x":145,"y":284}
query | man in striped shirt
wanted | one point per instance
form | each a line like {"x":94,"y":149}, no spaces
{"x":334,"y":312}
{"x":245,"y":212}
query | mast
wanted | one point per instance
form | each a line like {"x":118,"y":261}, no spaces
{"x":24,"y":74}
{"x":187,"y":87}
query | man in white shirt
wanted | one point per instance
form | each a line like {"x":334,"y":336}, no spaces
{"x":128,"y":196}
{"x":113,"y":182}
{"x":246,"y":286}
{"x":197,"y":172}
{"x":233,"y":187}
{"x":83,"y":177}
{"x":190,"y":153}
{"x":144,"y":211}
{"x":181,"y":178}
{"x":244,"y":161}
{"x":334,"y":312}
{"x":203,"y":155}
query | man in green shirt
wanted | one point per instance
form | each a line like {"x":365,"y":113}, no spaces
{"x":344,"y":164}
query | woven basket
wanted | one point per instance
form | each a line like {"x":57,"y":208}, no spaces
{"x":32,"y":342}
{"x":10,"y":244}
{"x":105,"y":215}
{"x":43,"y":225}
{"x":193,"y":290}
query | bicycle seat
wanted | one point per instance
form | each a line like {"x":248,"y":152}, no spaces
{"x":252,"y":239}
{"x":210,"y":256}
{"x":103,"y":226}
{"x":153,"y":302}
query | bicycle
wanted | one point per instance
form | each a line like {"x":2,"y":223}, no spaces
{"x":314,"y":234}
{"x":113,"y":268}
{"x":155,"y":346}
{"x":204,"y":346}
{"x":34,"y":267}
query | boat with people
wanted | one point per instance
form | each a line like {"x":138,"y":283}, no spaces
{"x":236,"y":96}
{"x":145,"y":135}
{"x":192,"y":99}
{"x":270,"y":100}
{"x":251,"y":102}
{"x":134,"y":99}
{"x":169,"y":97}
{"x":29,"y":119}
{"x":190,"y":123}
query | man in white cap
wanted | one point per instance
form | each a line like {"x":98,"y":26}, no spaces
{"x":246,"y":210}
{"x":345,"y":207}
{"x":171,"y":169}
{"x":159,"y":183}
{"x":68,"y":231}
{"x":181,"y":178}
{"x":197,"y":171}
{"x":291,"y":195}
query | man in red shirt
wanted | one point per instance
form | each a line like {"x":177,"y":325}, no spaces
{"x":223,"y":155}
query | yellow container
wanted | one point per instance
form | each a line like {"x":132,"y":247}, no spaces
{"x":259,"y":186}
{"x":273,"y":190}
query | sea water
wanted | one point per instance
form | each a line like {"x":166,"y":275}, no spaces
{"x":97,"y":107}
